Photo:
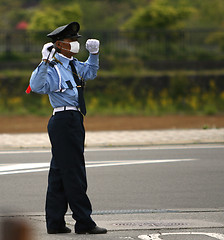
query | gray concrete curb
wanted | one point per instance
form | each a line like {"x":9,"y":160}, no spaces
{"x":132,"y":226}
{"x":119,"y":138}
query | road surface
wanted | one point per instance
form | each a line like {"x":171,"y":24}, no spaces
{"x":122,"y":179}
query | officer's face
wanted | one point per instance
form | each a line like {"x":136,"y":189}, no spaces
{"x":65,"y":47}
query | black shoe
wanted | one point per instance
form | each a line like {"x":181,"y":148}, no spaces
{"x":95,"y":230}
{"x":56,"y":231}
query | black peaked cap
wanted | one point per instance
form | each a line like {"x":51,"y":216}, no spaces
{"x":66,"y":31}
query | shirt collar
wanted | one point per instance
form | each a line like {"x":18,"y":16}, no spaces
{"x":63,"y":59}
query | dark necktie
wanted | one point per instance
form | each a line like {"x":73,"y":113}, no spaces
{"x":80,"y":88}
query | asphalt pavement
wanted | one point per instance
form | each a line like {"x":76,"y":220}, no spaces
{"x":141,"y":224}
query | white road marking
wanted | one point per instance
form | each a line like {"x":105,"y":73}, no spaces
{"x":126,"y":238}
{"x":25,"y":171}
{"x":39,"y":167}
{"x":156,"y":236}
{"x":135,"y":162}
{"x":146,"y":237}
{"x":24,"y":151}
{"x":21,"y":166}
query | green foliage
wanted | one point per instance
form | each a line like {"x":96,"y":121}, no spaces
{"x":55,"y":2}
{"x":127,"y":90}
{"x":115,"y":95}
{"x":108,"y":14}
{"x":138,"y":96}
{"x":50,"y":18}
{"x":209,"y":13}
{"x":112,"y":14}
{"x":216,"y":38}
{"x":159,"y":14}
{"x":10,"y":13}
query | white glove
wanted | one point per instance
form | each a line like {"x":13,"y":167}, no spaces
{"x":46,"y":52}
{"x":92,"y":45}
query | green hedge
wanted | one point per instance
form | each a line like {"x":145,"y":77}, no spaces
{"x":110,"y":94}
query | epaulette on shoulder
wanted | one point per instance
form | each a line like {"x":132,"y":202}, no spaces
{"x":52,"y":63}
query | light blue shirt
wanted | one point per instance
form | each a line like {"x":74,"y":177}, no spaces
{"x":51,"y":79}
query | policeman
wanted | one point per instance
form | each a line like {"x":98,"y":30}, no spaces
{"x":62,"y":77}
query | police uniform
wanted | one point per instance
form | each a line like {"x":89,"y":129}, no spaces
{"x":67,"y":183}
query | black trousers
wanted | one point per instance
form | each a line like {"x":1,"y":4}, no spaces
{"x":67,"y":184}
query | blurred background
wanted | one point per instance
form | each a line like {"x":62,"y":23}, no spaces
{"x":157,"y":57}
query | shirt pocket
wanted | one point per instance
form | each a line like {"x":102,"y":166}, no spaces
{"x":67,"y":85}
